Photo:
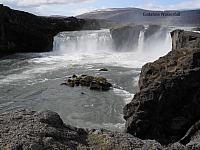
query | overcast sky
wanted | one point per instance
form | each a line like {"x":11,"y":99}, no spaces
{"x":76,"y":7}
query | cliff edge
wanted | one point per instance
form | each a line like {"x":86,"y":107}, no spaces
{"x":168,"y":102}
{"x":24,"y":32}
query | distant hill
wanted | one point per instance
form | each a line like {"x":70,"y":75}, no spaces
{"x":141,"y":16}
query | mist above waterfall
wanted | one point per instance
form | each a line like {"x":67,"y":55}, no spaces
{"x":98,"y":47}
{"x":83,"y":41}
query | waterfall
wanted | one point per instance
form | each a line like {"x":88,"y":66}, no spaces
{"x":88,"y":41}
{"x":158,"y":41}
{"x":98,"y":46}
{"x":141,"y":41}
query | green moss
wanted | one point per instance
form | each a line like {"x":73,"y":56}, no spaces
{"x":95,"y":83}
{"x":98,"y":141}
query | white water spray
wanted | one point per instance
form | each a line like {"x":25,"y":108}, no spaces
{"x":87,"y":41}
{"x":141,"y":41}
{"x":87,"y":47}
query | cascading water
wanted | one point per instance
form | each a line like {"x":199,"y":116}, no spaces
{"x":97,"y":46}
{"x":87,"y":41}
{"x":141,"y":41}
{"x":157,"y":44}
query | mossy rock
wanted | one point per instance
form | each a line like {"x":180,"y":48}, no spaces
{"x":94,"y":83}
{"x":98,"y":141}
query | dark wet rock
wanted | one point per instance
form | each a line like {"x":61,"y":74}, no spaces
{"x":192,"y":137}
{"x":74,"y":76}
{"x":94,"y":83}
{"x":24,"y":32}
{"x":185,"y":39}
{"x":168,"y":102}
{"x":29,"y":130}
{"x":126,"y":37}
{"x":153,"y":35}
{"x":103,"y":69}
{"x":152,"y":30}
{"x":196,"y":29}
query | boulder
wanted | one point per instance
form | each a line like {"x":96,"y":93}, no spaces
{"x":103,"y":69}
{"x":30,"y":130}
{"x":94,"y":83}
{"x":168,"y":102}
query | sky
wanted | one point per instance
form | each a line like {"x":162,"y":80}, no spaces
{"x":77,"y":7}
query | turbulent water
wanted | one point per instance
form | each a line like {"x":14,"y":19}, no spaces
{"x":33,"y":80}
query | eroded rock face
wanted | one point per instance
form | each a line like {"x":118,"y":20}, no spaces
{"x":169,"y":99}
{"x":25,"y":32}
{"x":185,"y":39}
{"x":126,"y":37}
{"x":29,"y":130}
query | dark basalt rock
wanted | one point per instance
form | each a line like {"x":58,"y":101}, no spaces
{"x":126,"y":37}
{"x":94,"y":83}
{"x":152,"y":30}
{"x":103,"y":69}
{"x":185,"y":39}
{"x":25,"y":32}
{"x":153,"y":34}
{"x":196,"y":29}
{"x":168,"y":102}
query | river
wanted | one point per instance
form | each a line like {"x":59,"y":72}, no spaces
{"x":33,"y":80}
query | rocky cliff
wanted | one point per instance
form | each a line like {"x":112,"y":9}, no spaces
{"x":152,"y":30}
{"x":25,"y":32}
{"x":126,"y":37}
{"x":168,"y":102}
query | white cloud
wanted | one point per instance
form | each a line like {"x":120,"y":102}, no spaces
{"x":80,"y":11}
{"x":41,"y":2}
{"x":186,"y":4}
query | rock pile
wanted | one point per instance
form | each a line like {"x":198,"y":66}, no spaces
{"x":94,"y":83}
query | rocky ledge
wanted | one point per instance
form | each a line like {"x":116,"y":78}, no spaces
{"x":24,"y":32}
{"x":167,"y":106}
{"x":25,"y":129}
{"x":30,"y":130}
